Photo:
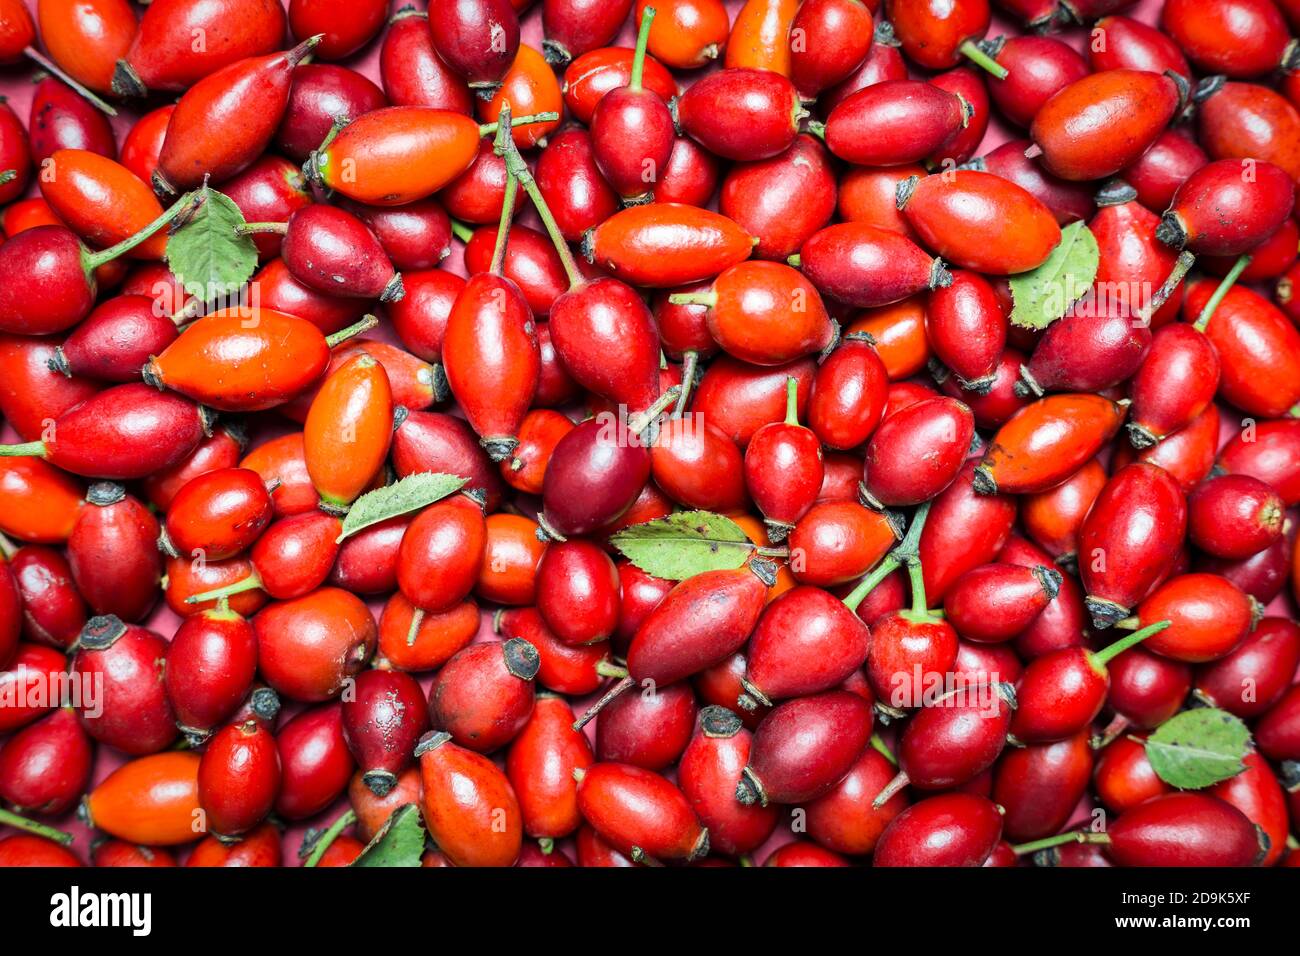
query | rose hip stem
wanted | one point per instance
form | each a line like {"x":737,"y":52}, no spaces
{"x":907,"y":553}
{"x":18,"y":822}
{"x":1225,"y":285}
{"x":1074,"y":836}
{"x":502,"y":144}
{"x":316,"y":842}
{"x":45,"y":63}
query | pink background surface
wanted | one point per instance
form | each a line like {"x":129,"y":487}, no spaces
{"x":15,"y":84}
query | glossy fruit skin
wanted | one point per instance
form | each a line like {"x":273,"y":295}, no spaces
{"x":959,"y":214}
{"x":917,"y":452}
{"x":52,"y":255}
{"x":373,"y":811}
{"x":805,"y":642}
{"x":1067,"y":201}
{"x":491,"y":358}
{"x":967,"y":329}
{"x":308,"y":647}
{"x":113,"y":553}
{"x":1040,"y":785}
{"x":784,"y":472}
{"x":162,"y":54}
{"x":45,"y":767}
{"x":187,"y":577}
{"x":120,"y":853}
{"x":605,"y":338}
{"x":40,"y":502}
{"x":260,"y":848}
{"x":1138,"y":496}
{"x":134,"y":715}
{"x":116,"y":340}
{"x":219,"y":514}
{"x":101,"y":200}
{"x":464,"y":796}
{"x":666,"y":244}
{"x":477,"y":39}
{"x":24,"y":849}
{"x":1277,"y":734}
{"x":239,"y":777}
{"x":804,"y":747}
{"x":740,"y":113}
{"x":15,"y":157}
{"x":1060,"y":694}
{"x":572,"y":184}
{"x":1184,"y":829}
{"x":1133,"y":45}
{"x":348,"y":430}
{"x":431,"y":441}
{"x":213,"y":133}
{"x":1221,"y":211}
{"x":344,"y":28}
{"x":1237,"y":38}
{"x":709,"y":771}
{"x":30,"y":394}
{"x":11,"y":611}
{"x":610,"y":473}
{"x":647,"y":729}
{"x":61,"y":118}
{"x":894,"y":122}
{"x":334,"y":252}
{"x":848,"y":396}
{"x":1066,"y":127}
{"x":782,"y":200}
{"x":1257,"y":793}
{"x":381,"y":723}
{"x":1210,"y":615}
{"x":484,"y":695}
{"x":152,"y":800}
{"x":957,"y":829}
{"x":686,"y":33}
{"x":835,"y":39}
{"x":578,"y":592}
{"x":1245,"y":120}
{"x":1052,"y":518}
{"x":211,"y":663}
{"x":1157,"y":173}
{"x":314,"y":760}
{"x":1251,"y":678}
{"x":441,"y":553}
{"x":541,"y":764}
{"x":1234,"y":516}
{"x":1175,"y":383}
{"x":995,"y":602}
{"x":1123,"y":777}
{"x":87,"y":39}
{"x":1038,"y":68}
{"x":867,"y":266}
{"x":412,"y":72}
{"x":700,"y":622}
{"x":1046,"y":442}
{"x":698,"y":466}
{"x":840,"y":541}
{"x":1091,"y":350}
{"x":964,"y":530}
{"x":1243,"y":330}
{"x":33,"y":669}
{"x":951,"y":741}
{"x":52,"y":611}
{"x":530,"y":87}
{"x":640,"y":813}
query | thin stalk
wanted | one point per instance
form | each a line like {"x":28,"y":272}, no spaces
{"x":250,"y":583}
{"x":93,"y":260}
{"x":882,"y":748}
{"x":50,"y":67}
{"x":1107,"y":654}
{"x":507,"y":204}
{"x":327,"y":838}
{"x":690,"y":362}
{"x":7,"y":548}
{"x":1228,"y":282}
{"x":31,"y":826}
{"x":791,"y":400}
{"x":1074,"y":836}
{"x":1182,"y":266}
{"x":706,"y":299}
{"x":517,"y":168}
{"x":461,"y":231}
{"x":638,"y":58}
{"x":249,"y":228}
{"x":490,"y":129}
{"x":908,"y":552}
{"x":970,"y":49}
{"x":29,"y":449}
{"x":417,"y":618}
{"x":364,"y":324}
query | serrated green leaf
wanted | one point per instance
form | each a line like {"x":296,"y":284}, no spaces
{"x":409,"y":494}
{"x":1045,"y":294}
{"x":1198,"y":748}
{"x":399,"y":842}
{"x":206,"y":254}
{"x":684,"y":544}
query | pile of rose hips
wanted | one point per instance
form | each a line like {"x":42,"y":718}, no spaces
{"x":940,"y":573}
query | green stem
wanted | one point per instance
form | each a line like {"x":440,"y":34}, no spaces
{"x":326,"y":839}
{"x":791,"y":400}
{"x":7,"y":548}
{"x":1074,"y":836}
{"x":638,"y":58}
{"x":1228,"y":282}
{"x":250,"y":583}
{"x":48,"y":65}
{"x":817,"y":128}
{"x":249,"y":228}
{"x":882,"y":748}
{"x":508,"y":201}
{"x":516,"y":166}
{"x":365,"y":324}
{"x":1182,"y":265}
{"x":31,"y":449}
{"x":31,"y":826}
{"x":1128,"y":624}
{"x":8,"y":176}
{"x":690,"y":362}
{"x":607,"y":668}
{"x":884,"y":569}
{"x":970,"y":49}
{"x":93,"y":260}
{"x":461,"y":231}
{"x":490,"y":129}
{"x":417,"y":618}
{"x":1107,"y":654}
{"x":706,"y":299}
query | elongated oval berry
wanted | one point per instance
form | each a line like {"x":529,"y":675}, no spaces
{"x":468,"y":804}
{"x":640,"y":813}
{"x":1129,"y":539}
{"x":980,"y":221}
{"x":806,"y":642}
{"x":741,"y":114}
{"x":967,"y":329}
{"x":666,"y":244}
{"x":894,"y":122}
{"x":916,"y":453}
{"x":1228,"y":207}
{"x":867,"y":266}
{"x":1185,"y":829}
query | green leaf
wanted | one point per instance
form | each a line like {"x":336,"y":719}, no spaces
{"x":684,"y":544}
{"x":399,"y":842}
{"x":206,"y":254}
{"x":409,"y":494}
{"x":1045,"y":294}
{"x":1198,"y":748}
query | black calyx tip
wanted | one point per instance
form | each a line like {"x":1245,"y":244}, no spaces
{"x":101,"y":632}
{"x":1171,"y":231}
{"x":431,"y":741}
{"x":718,"y":721}
{"x":1105,"y":614}
{"x":380,"y":782}
{"x":105,"y":493}
{"x":522,"y":659}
